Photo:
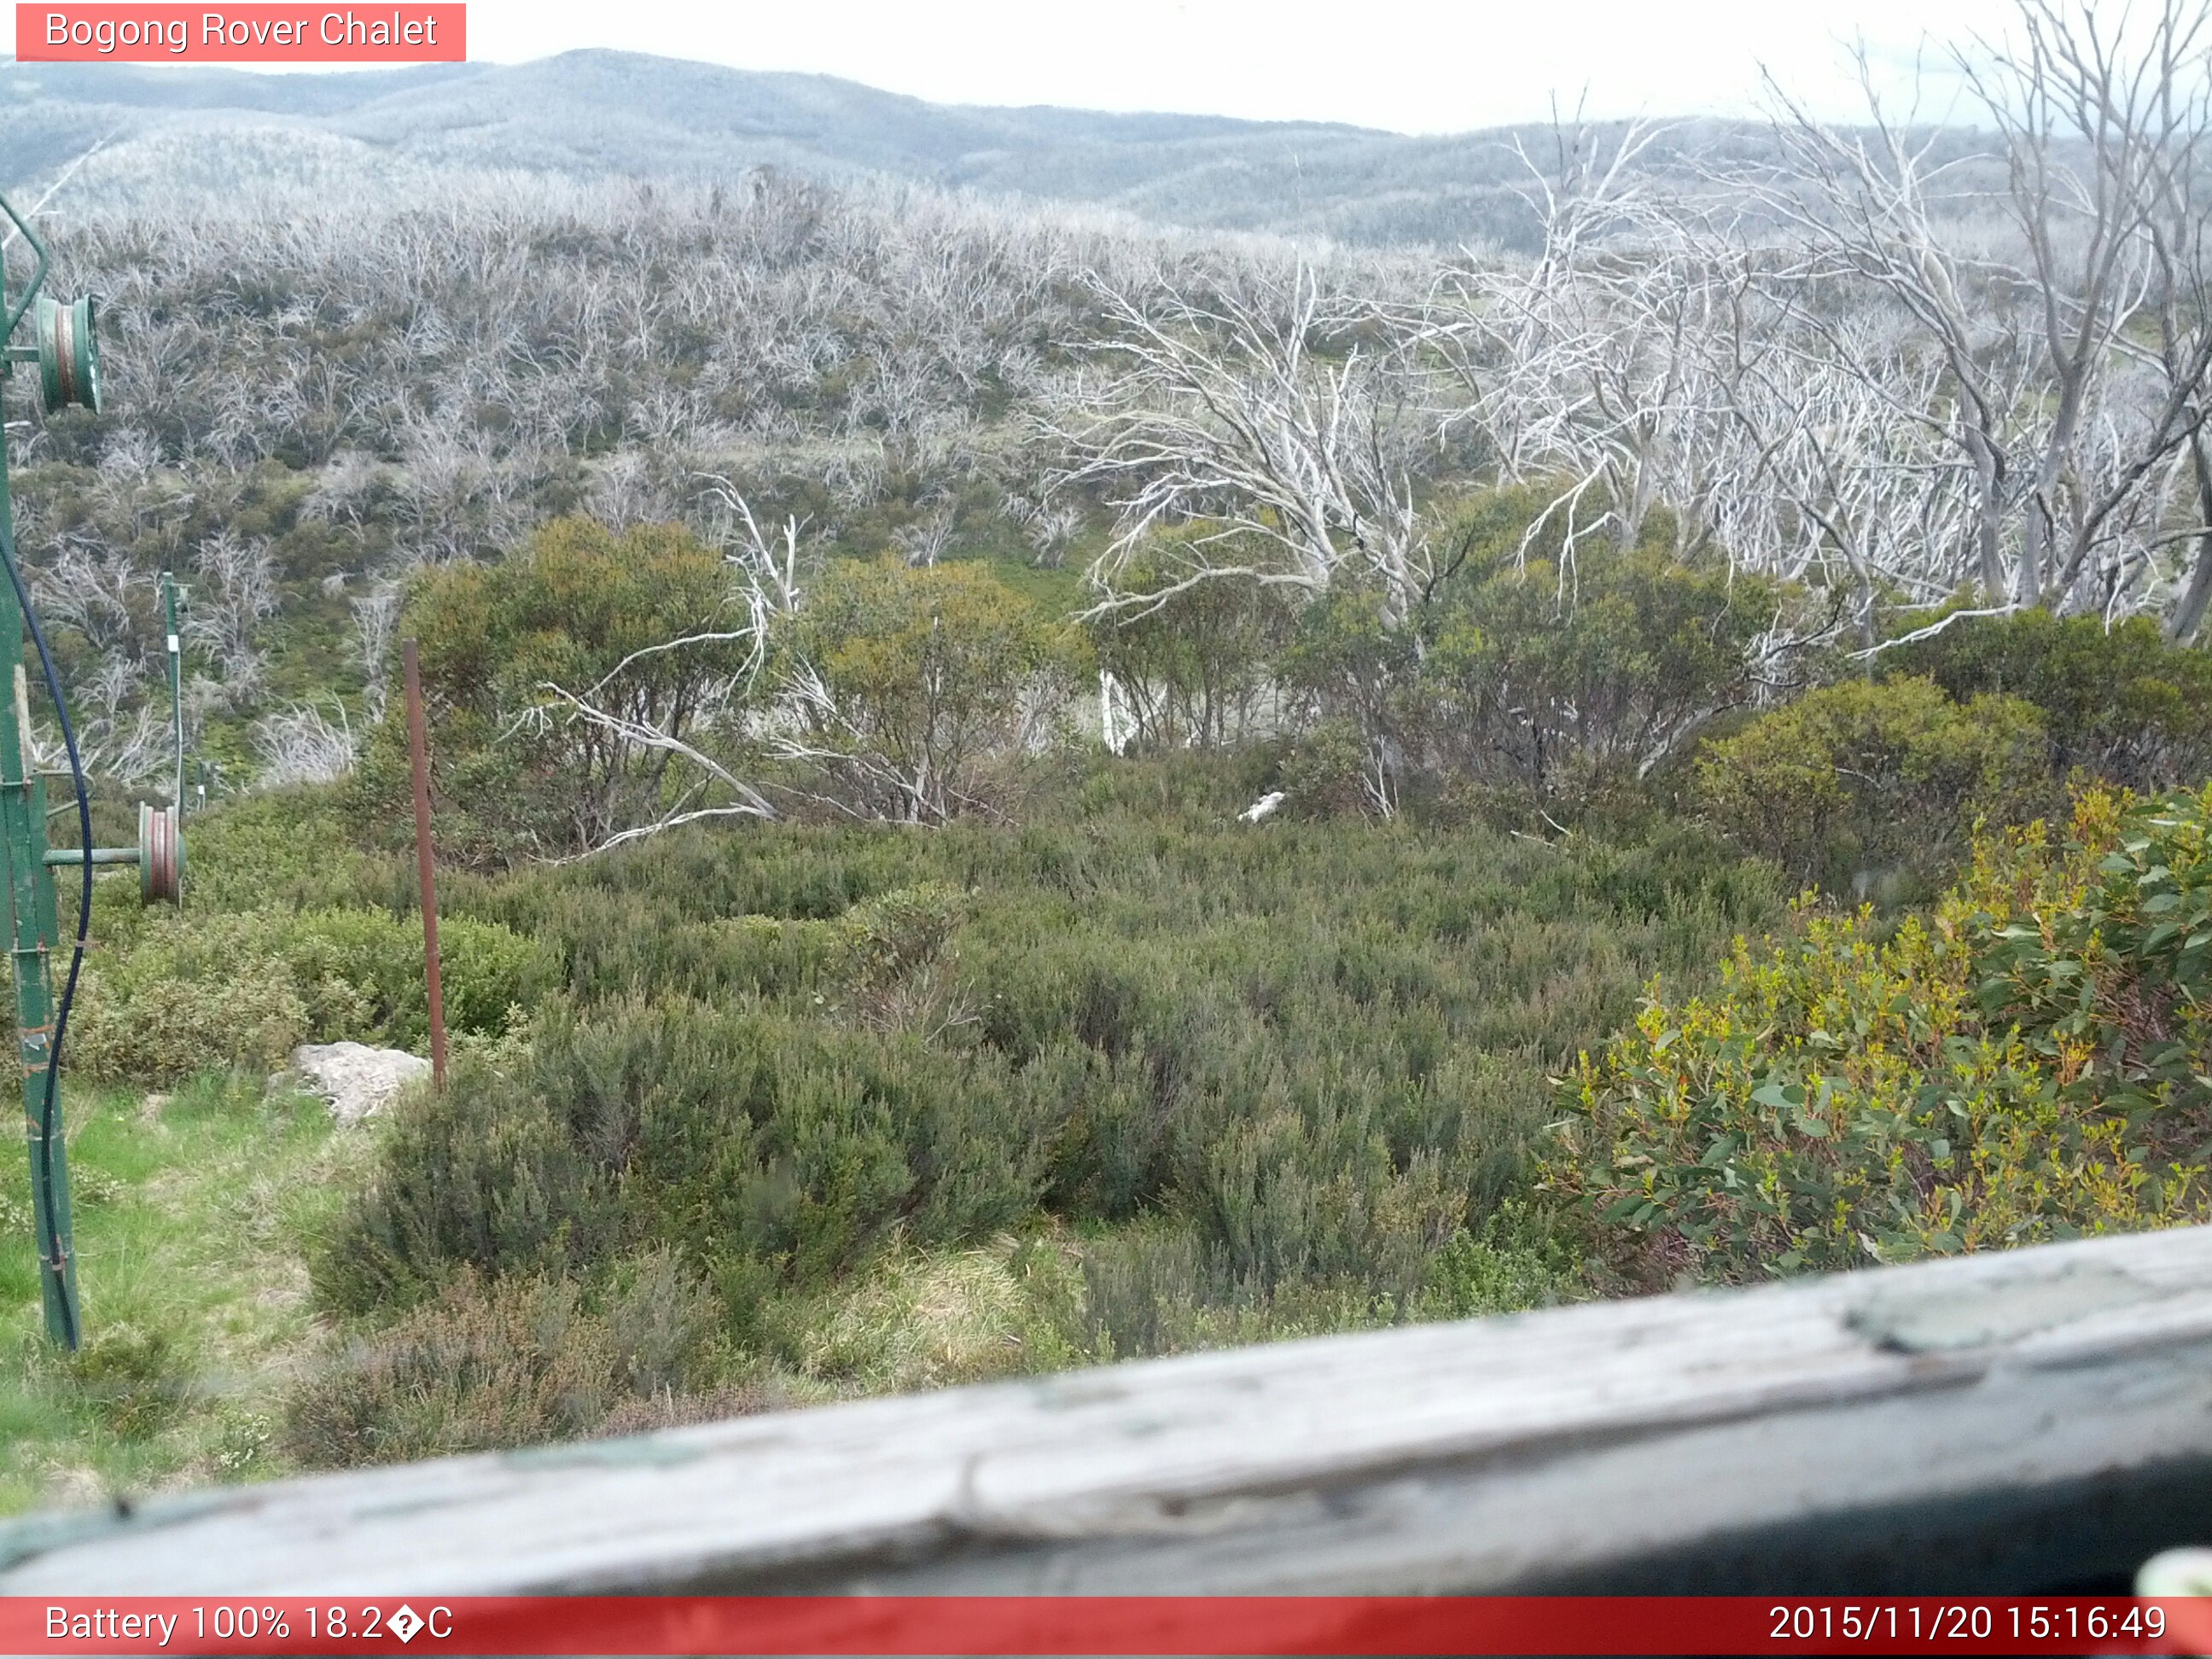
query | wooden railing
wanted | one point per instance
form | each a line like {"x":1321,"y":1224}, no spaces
{"x":2033,"y":1421}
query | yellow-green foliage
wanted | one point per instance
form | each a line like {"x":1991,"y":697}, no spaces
{"x":200,"y":989}
{"x":574,"y":607}
{"x":920,"y":1321}
{"x":167,"y":1030}
{"x":932,"y":679}
{"x":2117,"y":701}
{"x":1854,"y":781}
{"x":2027,"y":1064}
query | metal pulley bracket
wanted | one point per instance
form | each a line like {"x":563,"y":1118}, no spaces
{"x":68,"y":354}
{"x":160,"y":856}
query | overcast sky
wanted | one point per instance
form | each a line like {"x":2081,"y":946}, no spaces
{"x":1413,"y":65}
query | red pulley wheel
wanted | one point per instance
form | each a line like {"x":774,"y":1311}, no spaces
{"x":160,"y":855}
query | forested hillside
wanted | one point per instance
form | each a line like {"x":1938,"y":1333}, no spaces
{"x":1018,"y":786}
{"x":134,"y":134}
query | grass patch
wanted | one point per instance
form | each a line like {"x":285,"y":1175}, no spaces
{"x":192,"y":1211}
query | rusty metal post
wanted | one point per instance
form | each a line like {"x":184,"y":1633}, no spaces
{"x":418,"y":748}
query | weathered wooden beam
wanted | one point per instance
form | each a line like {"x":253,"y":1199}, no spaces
{"x":2034,"y":1420}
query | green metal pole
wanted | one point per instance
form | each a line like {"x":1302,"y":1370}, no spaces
{"x":33,"y":933}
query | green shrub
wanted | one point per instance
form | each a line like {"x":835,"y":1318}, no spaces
{"x":574,"y":605}
{"x":1529,"y":674}
{"x":1516,"y":1261}
{"x":2117,"y":701}
{"x":162,"y":1030}
{"x":1316,"y":1055}
{"x":136,"y":1380}
{"x":513,"y":1362}
{"x":202,"y":988}
{"x":2027,"y":1064}
{"x":1369,"y":707}
{"x":1557,"y":675}
{"x":1157,"y":1288}
{"x":481,"y":1177}
{"x":1194,"y":668}
{"x":292,"y":849}
{"x":919,"y":691}
{"x":883,"y":938}
{"x":1337,"y":770}
{"x":1857,"y":784}
{"x":1293,"y":1197}
{"x":737,"y":1135}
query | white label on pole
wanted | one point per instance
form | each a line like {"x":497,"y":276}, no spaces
{"x":23,"y":721}
{"x":173,"y":645}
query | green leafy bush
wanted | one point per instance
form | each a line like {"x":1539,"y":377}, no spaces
{"x":1529,"y":672}
{"x":2117,"y":701}
{"x":1857,"y":784}
{"x":481,"y":1177}
{"x":201,"y":990}
{"x":918,"y":691}
{"x":164,"y":1030}
{"x":1338,"y":770}
{"x":573,"y":608}
{"x":2027,"y":1064}
{"x":1516,"y":1261}
{"x":1557,"y":675}
{"x":294,"y":848}
{"x":1194,"y":668}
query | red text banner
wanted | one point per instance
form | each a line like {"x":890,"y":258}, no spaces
{"x":1075,"y":1626}
{"x":257,"y":33}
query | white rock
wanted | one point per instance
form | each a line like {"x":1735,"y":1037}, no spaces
{"x":1262,"y":808}
{"x":357,"y":1080}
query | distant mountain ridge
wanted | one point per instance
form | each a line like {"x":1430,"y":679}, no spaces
{"x":600,"y":112}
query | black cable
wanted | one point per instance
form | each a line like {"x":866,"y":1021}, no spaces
{"x":56,"y":1263}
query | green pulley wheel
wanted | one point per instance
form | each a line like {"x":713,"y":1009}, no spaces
{"x":68,"y":354}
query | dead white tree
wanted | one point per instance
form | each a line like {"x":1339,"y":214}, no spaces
{"x":2064,"y":420}
{"x":924,"y":541}
{"x":301,"y":744}
{"x":1265,"y":420}
{"x":1837,"y":366}
{"x":654,"y":741}
{"x":120,"y":733}
{"x":768,"y":562}
{"x":236,"y":595}
{"x":375,"y":626}
{"x":2103,"y":125}
{"x":1576,"y":369}
{"x":1050,"y":531}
